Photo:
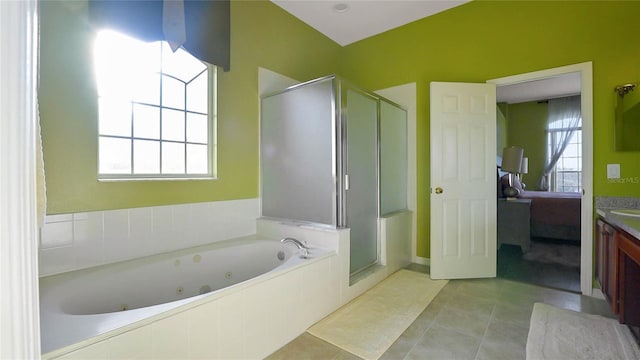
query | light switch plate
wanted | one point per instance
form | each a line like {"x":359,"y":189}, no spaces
{"x":613,"y":171}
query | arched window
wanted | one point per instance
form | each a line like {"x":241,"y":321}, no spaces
{"x":155,"y":110}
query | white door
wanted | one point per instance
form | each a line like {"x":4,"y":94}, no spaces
{"x":463,"y":180}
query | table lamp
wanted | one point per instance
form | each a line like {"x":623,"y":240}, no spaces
{"x":511,"y":163}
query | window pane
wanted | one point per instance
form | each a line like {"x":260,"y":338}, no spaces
{"x":146,"y":157}
{"x":172,"y":158}
{"x":146,"y":121}
{"x":571,"y":151}
{"x":570,"y":163}
{"x":572,"y":179}
{"x":114,"y":117}
{"x":197,"y":94}
{"x":172,"y":125}
{"x":197,"y":159}
{"x":115,"y":156}
{"x":197,"y":128}
{"x":180,"y":64}
{"x":121,"y":60}
{"x":146,"y":89}
{"x":172,"y":93}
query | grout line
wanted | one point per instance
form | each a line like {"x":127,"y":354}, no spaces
{"x":433,"y":321}
{"x":484,"y":334}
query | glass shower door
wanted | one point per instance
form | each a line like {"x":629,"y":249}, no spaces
{"x":361,"y":117}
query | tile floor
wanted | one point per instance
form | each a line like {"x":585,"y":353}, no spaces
{"x":468,"y":319}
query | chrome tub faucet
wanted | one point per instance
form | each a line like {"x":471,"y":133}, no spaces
{"x":302,"y":247}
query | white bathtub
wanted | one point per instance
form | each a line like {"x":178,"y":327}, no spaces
{"x":107,"y":300}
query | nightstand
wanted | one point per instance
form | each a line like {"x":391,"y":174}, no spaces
{"x":514,"y":223}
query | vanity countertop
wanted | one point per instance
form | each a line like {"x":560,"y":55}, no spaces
{"x":629,"y":224}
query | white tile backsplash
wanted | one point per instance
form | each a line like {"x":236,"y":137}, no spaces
{"x":141,"y":228}
{"x":88,"y":244}
{"x":56,"y":234}
{"x":77,"y":241}
{"x":116,"y":243}
{"x":57,"y":218}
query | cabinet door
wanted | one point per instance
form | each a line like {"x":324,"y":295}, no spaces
{"x":606,"y":264}
{"x":628,"y":277}
{"x":611,"y":266}
{"x":600,"y":251}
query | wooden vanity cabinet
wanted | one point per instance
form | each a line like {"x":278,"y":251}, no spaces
{"x":618,"y":272}
{"x":606,"y":264}
{"x":628,"y":260}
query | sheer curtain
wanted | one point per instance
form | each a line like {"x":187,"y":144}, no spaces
{"x":564,"y":119}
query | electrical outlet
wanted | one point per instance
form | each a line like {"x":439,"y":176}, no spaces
{"x":613,"y":171}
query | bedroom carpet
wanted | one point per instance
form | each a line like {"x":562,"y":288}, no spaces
{"x":370,"y":323}
{"x":556,"y":333}
{"x":554,"y":253}
{"x":548,"y":263}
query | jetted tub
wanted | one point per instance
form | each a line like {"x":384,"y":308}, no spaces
{"x":84,"y":304}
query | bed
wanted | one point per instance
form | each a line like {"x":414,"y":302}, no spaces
{"x":554,"y":215}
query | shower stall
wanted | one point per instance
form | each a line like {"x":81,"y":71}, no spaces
{"x":335,"y":155}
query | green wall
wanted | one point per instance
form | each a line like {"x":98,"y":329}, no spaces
{"x":527,"y":129}
{"x":474,"y":42}
{"x":485,"y":40}
{"x":263,"y":35}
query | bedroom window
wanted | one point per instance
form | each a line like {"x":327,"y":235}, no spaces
{"x":155,"y":110}
{"x":567,"y":174}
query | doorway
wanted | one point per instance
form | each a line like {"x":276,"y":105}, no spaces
{"x":583,"y":72}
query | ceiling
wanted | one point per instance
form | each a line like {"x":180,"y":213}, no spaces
{"x":554,"y":87}
{"x":348,"y":21}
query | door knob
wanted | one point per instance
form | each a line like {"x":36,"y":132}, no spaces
{"x":439,"y":190}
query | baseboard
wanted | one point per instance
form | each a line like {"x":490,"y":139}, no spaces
{"x":421,"y":260}
{"x":597,"y":293}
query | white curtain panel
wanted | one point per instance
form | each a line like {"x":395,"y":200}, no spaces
{"x":564,"y":119}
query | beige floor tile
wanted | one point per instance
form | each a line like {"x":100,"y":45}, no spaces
{"x":504,"y":340}
{"x":516,"y":314}
{"x":473,"y":304}
{"x":399,"y":349}
{"x":507,"y":332}
{"x":596,"y":306}
{"x":473,"y":324}
{"x":306,"y":346}
{"x":442,"y":343}
{"x":500,"y":350}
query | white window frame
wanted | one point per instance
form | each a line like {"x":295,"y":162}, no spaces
{"x":211,"y":141}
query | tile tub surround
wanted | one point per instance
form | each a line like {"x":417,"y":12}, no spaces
{"x":253,"y":321}
{"x":250,"y":320}
{"x":77,"y":241}
{"x":245,"y":324}
{"x":233,"y":325}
